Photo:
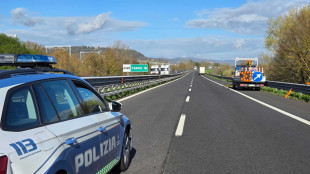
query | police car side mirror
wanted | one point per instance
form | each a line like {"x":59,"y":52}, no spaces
{"x":115,"y":106}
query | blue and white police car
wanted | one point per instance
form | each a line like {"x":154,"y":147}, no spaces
{"x":55,"y":122}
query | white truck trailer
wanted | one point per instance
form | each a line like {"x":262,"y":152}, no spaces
{"x":155,"y":69}
{"x":202,"y":70}
{"x":165,"y":69}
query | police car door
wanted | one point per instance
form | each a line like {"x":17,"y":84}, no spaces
{"x":28,"y":144}
{"x":77,"y":131}
{"x":108,"y":125}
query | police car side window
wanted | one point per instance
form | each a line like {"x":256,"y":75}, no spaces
{"x":63,"y":98}
{"x":21,"y":111}
{"x":47,"y":111}
{"x":91,"y":100}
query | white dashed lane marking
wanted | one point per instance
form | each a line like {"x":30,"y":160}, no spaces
{"x":180,"y":127}
{"x":187,"y":98}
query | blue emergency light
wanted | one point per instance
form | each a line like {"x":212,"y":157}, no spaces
{"x":20,"y":59}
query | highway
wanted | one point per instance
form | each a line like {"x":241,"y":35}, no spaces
{"x":223,"y":131}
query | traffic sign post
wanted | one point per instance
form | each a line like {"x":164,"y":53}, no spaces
{"x":135,"y":68}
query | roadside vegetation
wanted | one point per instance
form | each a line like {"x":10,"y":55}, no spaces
{"x":288,"y":43}
{"x":222,"y":69}
{"x":107,"y":63}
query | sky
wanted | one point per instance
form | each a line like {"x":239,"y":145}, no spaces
{"x":206,"y":29}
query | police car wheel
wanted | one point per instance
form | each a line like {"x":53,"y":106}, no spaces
{"x":125,"y":158}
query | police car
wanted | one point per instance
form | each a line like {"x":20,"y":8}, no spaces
{"x":55,"y":122}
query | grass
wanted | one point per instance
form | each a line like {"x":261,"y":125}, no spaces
{"x":208,"y":71}
{"x":293,"y":95}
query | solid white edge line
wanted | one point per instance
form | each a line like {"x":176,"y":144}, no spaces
{"x":187,"y":98}
{"x":271,"y":107}
{"x":122,"y":99}
{"x":180,"y":127}
{"x":274,"y":108}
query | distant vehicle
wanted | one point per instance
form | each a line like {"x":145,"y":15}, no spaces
{"x":202,"y":70}
{"x":247,"y":74}
{"x":165,"y":69}
{"x":155,"y":69}
{"x":54,"y":122}
{"x":195,"y":67}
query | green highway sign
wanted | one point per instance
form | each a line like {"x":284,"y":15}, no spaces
{"x":135,"y":68}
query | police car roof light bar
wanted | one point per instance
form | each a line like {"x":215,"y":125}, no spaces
{"x":22,"y":59}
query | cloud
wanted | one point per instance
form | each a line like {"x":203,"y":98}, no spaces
{"x":73,"y":25}
{"x":20,"y":16}
{"x":103,"y":22}
{"x":90,"y":25}
{"x":250,"y":18}
{"x":239,"y":43}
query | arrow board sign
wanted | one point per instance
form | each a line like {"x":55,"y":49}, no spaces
{"x":257,"y":76}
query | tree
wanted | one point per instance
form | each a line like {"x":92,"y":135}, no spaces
{"x":67,"y":62}
{"x":111,"y":63}
{"x":10,"y":45}
{"x":288,"y":41}
{"x":205,"y":64}
{"x":222,"y":69}
{"x":182,"y":66}
{"x":174,"y":68}
{"x":93,"y":65}
{"x":116,"y":56}
{"x":35,"y":48}
{"x":190,"y":64}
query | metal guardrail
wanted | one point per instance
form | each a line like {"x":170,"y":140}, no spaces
{"x":113,"y":85}
{"x":287,"y":86}
{"x":303,"y":88}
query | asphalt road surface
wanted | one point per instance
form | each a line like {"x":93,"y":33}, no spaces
{"x":224,"y":131}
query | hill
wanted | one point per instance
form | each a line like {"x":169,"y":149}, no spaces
{"x":82,"y":50}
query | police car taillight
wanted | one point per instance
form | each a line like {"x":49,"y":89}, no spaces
{"x":3,"y":164}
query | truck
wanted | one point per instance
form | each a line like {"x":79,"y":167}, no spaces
{"x":155,"y":69}
{"x":165,"y":69}
{"x":248,"y":74}
{"x":202,"y":70}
